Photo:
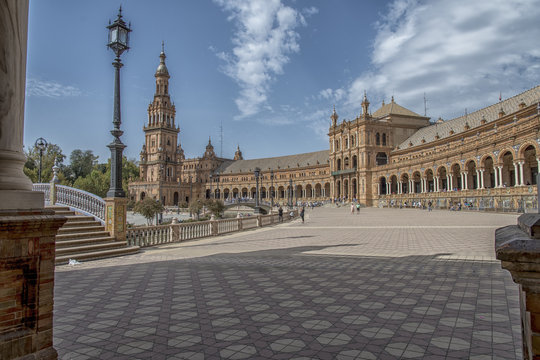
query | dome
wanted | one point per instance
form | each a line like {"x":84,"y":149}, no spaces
{"x":162,"y":68}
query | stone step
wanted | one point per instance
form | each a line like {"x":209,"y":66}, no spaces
{"x":81,"y":235}
{"x":78,"y":250}
{"x":80,"y":229}
{"x":76,"y":222}
{"x":83,"y":241}
{"x":95,"y":255}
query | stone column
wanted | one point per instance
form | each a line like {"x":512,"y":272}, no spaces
{"x":496,"y":177}
{"x":501,"y":182}
{"x":522,"y":182}
{"x":516,"y":174}
{"x":378,"y":188}
{"x":27,"y":230}
{"x":518,"y":249}
{"x":477,"y":179}
{"x":481,"y":181}
{"x":465,"y":180}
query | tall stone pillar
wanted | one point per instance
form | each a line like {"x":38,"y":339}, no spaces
{"x":27,"y":230}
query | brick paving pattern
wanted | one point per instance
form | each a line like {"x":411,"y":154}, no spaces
{"x":385,"y":284}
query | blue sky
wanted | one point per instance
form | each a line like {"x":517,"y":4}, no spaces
{"x":269,"y":71}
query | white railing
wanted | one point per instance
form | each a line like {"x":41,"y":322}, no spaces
{"x":44,"y":188}
{"x":79,"y":200}
{"x":162,"y":234}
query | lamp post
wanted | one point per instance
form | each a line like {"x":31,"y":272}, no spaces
{"x":41,"y":145}
{"x":118,"y":42}
{"x":211,"y":191}
{"x":217,"y":184}
{"x":190,"y":195}
{"x":257,"y":207}
{"x":290,"y":193}
{"x":271,"y":190}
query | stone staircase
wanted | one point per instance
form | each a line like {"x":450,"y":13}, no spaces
{"x":83,"y":238}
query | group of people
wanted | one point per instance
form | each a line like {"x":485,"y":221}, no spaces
{"x":355,"y":207}
{"x":302,"y":214}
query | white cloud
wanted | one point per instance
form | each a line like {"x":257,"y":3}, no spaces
{"x":52,"y":89}
{"x":460,"y":53}
{"x":265,"y":37}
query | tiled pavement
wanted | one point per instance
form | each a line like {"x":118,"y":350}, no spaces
{"x":385,"y":284}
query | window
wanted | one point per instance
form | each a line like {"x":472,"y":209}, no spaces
{"x":384,"y":139}
{"x":377,"y":139}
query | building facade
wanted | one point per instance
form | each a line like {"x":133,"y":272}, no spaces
{"x":391,"y":157}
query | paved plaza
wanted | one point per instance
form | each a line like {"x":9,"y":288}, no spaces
{"x":385,"y":284}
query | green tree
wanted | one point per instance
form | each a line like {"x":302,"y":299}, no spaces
{"x":51,"y":154}
{"x":148,"y":208}
{"x":215,"y":206}
{"x":96,"y":182}
{"x":195,"y":207}
{"x":82,"y":163}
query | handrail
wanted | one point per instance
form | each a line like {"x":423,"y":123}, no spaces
{"x":162,"y":234}
{"x":77,"y":199}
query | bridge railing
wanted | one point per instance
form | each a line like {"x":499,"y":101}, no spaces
{"x":78,"y":200}
{"x":145,"y":236}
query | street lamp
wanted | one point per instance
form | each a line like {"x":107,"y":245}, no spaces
{"x":217,"y":185}
{"x":118,"y":42}
{"x":257,"y":207}
{"x":290,"y":193}
{"x":211,"y":193}
{"x":41,"y":145}
{"x":271,"y":189}
{"x":190,"y":195}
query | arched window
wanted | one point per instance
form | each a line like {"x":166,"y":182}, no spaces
{"x":384,"y":139}
{"x":354,"y":161}
{"x":339,"y":164}
{"x":381,"y":158}
{"x":377,"y":139}
{"x":346,"y":163}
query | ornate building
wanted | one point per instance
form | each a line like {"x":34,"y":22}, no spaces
{"x":393,"y":156}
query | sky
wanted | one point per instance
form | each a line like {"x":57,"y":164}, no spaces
{"x":265,"y":74}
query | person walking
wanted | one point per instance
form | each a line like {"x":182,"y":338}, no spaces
{"x":302,"y":213}
{"x":280,"y":214}
{"x":358,"y":208}
{"x":352,"y":208}
{"x":429,"y":204}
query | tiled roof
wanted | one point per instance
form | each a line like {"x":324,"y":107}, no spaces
{"x":457,"y":125}
{"x":393,"y":109}
{"x":274,"y":163}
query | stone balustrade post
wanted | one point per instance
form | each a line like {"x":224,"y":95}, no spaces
{"x":214,"y":225}
{"x":518,"y":249}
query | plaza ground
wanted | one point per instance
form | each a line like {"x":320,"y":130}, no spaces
{"x":384,"y":284}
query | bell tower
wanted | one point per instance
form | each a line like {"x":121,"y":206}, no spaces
{"x":160,"y":155}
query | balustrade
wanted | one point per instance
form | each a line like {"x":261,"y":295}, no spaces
{"x":162,"y":234}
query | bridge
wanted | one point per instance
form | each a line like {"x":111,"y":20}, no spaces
{"x":265,"y":206}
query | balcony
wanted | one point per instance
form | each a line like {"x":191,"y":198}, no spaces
{"x":344,"y":172}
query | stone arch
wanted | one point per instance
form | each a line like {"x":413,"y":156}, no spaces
{"x":263,"y":192}
{"x":354,"y":188}
{"x":327,"y":189}
{"x":442,"y":174}
{"x":281,"y":192}
{"x":417,"y":182}
{"x":346,"y":188}
{"x":381,"y":158}
{"x":393,"y":184}
{"x":488,"y":165}
{"x":235,"y":193}
{"x":508,"y":170}
{"x":354,"y":162}
{"x":504,"y":152}
{"x":175,"y":198}
{"x":457,"y":181}
{"x":226,"y":193}
{"x":337,"y":191}
{"x":527,"y":145}
{"x":309,"y":191}
{"x":530,"y":165}
{"x":404,"y":179}
{"x":252,"y":192}
{"x":298,"y":189}
{"x":382,"y":185}
{"x":430,"y":180}
{"x":338,"y":164}
{"x":245,"y":193}
{"x":472,"y":176}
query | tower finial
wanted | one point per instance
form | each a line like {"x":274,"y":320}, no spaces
{"x":162,"y":46}
{"x":120,"y":11}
